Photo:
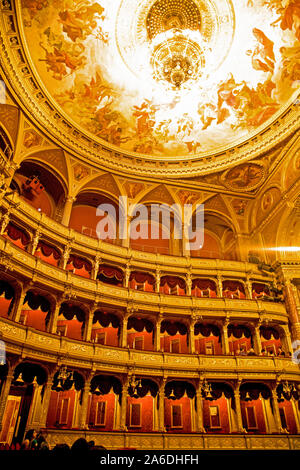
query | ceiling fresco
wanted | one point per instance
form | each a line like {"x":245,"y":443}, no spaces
{"x":167,"y":77}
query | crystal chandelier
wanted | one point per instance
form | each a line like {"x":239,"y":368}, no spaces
{"x":177,"y":56}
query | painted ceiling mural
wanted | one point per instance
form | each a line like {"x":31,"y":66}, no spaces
{"x":167,"y":77}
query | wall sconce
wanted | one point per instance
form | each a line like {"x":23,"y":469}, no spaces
{"x":135,"y":385}
{"x":206,"y":389}
{"x":63,"y":376}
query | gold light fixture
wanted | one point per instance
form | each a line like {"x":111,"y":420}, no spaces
{"x":172,"y":395}
{"x":247,"y":397}
{"x":63,"y":377}
{"x":97,"y":391}
{"x":207,"y":389}
{"x":287,"y":388}
{"x":135,"y":385}
{"x":19,"y":380}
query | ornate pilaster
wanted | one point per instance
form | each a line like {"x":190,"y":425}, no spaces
{"x":66,"y":254}
{"x":127,"y":275}
{"x":46,"y":398}
{"x":54,"y":316}
{"x":192,"y":335}
{"x":248,"y":285}
{"x":157,"y":280}
{"x":276,"y":409}
{"x":97,"y":262}
{"x":35,"y":241}
{"x":18,"y":303}
{"x":4,"y":221}
{"x":161,"y":406}
{"x":225,"y":336}
{"x":89,"y":324}
{"x":220,"y":286}
{"x":124,"y":397}
{"x":189,"y":283}
{"x":85,"y":402}
{"x":157,"y":333}
{"x":238,"y":409}
{"x":123,"y":335}
{"x":67,"y":210}
{"x":199,"y":408}
{"x":6,"y":389}
{"x":257,"y":339}
{"x":287,"y":339}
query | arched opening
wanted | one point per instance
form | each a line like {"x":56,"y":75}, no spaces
{"x":106,"y":328}
{"x":84,"y":218}
{"x":104,"y":401}
{"x":174,"y":337}
{"x":233,"y":290}
{"x":48,"y":253}
{"x":7,"y":297}
{"x":18,"y":236}
{"x":288,"y":400}
{"x":255,"y":406}
{"x":207,"y":339}
{"x":65,"y":399}
{"x":271,"y":343}
{"x":35,"y":311}
{"x":79,"y":266}
{"x":217,"y":407}
{"x":172,"y":285}
{"x":204,"y":288}
{"x":179,"y":406}
{"x":110,"y":275}
{"x":40,"y":187}
{"x":141,"y":281}
{"x":140,"y":334}
{"x":26,"y":391}
{"x":141,"y":405}
{"x":71,"y":321}
{"x":240,"y":339}
{"x":155,"y":231}
{"x":218,"y":243}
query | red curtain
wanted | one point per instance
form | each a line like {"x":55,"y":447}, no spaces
{"x":173,"y":328}
{"x":141,"y":278}
{"x":204,"y":284}
{"x":172,"y":282}
{"x":111,"y":272}
{"x":260,"y":288}
{"x":79,"y":263}
{"x":139,"y":324}
{"x":48,"y":250}
{"x":233,"y":285}
{"x":16,"y":233}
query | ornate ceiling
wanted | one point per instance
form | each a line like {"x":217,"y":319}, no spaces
{"x":157,"y":87}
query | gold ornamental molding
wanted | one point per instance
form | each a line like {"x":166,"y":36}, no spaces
{"x":22,"y":80}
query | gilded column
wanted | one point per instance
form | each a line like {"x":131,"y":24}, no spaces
{"x":123,"y":336}
{"x":4,"y":222}
{"x":67,"y":210}
{"x":287,"y":339}
{"x":89,"y":325}
{"x":96,"y":265}
{"x":127,"y":275}
{"x":257,"y":339}
{"x":157,"y":333}
{"x":189,"y":283}
{"x":6,"y":388}
{"x":238,"y":409}
{"x":291,"y":300}
{"x":249,"y":288}
{"x":85,"y":402}
{"x":225,"y":337}
{"x":54,"y":316}
{"x":199,"y":408}
{"x":192,"y":335}
{"x":157,"y":280}
{"x":220,"y":286}
{"x":125,"y":386}
{"x":66,"y":254}
{"x":46,"y":398}
{"x":18,"y":305}
{"x":35,"y":241}
{"x":276,"y":410}
{"x":161,"y":407}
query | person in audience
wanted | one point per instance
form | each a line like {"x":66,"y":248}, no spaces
{"x":81,"y":445}
{"x":30,"y":441}
{"x":263,"y":352}
{"x":280,"y":352}
{"x":42,"y":444}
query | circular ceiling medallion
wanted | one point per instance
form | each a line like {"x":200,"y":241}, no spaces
{"x":164,"y":79}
